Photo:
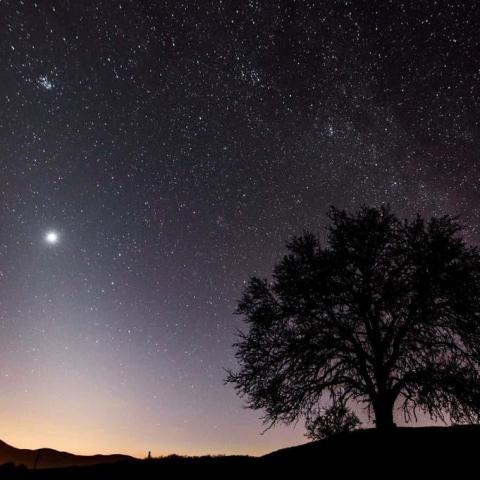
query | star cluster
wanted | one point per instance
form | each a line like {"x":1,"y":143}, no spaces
{"x":175,"y":146}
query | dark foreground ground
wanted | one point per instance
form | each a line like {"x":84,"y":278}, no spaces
{"x":403,"y":453}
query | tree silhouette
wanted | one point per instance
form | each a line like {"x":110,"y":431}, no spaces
{"x":326,"y":422}
{"x":385,"y":316}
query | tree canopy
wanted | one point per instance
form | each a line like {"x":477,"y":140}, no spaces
{"x":384,"y":316}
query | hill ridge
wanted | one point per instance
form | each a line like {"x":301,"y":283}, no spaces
{"x":46,"y":457}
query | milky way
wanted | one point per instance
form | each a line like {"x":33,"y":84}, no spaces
{"x":173,"y":147}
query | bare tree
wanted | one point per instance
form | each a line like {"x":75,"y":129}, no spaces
{"x":386,"y":315}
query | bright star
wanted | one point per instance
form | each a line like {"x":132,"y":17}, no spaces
{"x":51,"y":237}
{"x":45,"y":82}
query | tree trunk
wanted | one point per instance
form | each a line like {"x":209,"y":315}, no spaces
{"x":383,"y":409}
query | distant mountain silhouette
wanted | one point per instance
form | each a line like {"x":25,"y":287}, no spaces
{"x":49,"y":458}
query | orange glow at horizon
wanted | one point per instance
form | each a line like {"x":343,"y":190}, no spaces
{"x":28,"y":431}
{"x":87,"y":420}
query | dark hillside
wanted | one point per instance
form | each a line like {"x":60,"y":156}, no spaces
{"x":405,"y":452}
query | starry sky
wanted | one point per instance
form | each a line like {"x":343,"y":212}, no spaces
{"x":155,"y":154}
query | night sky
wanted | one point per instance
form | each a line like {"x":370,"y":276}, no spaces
{"x":155,"y":154}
